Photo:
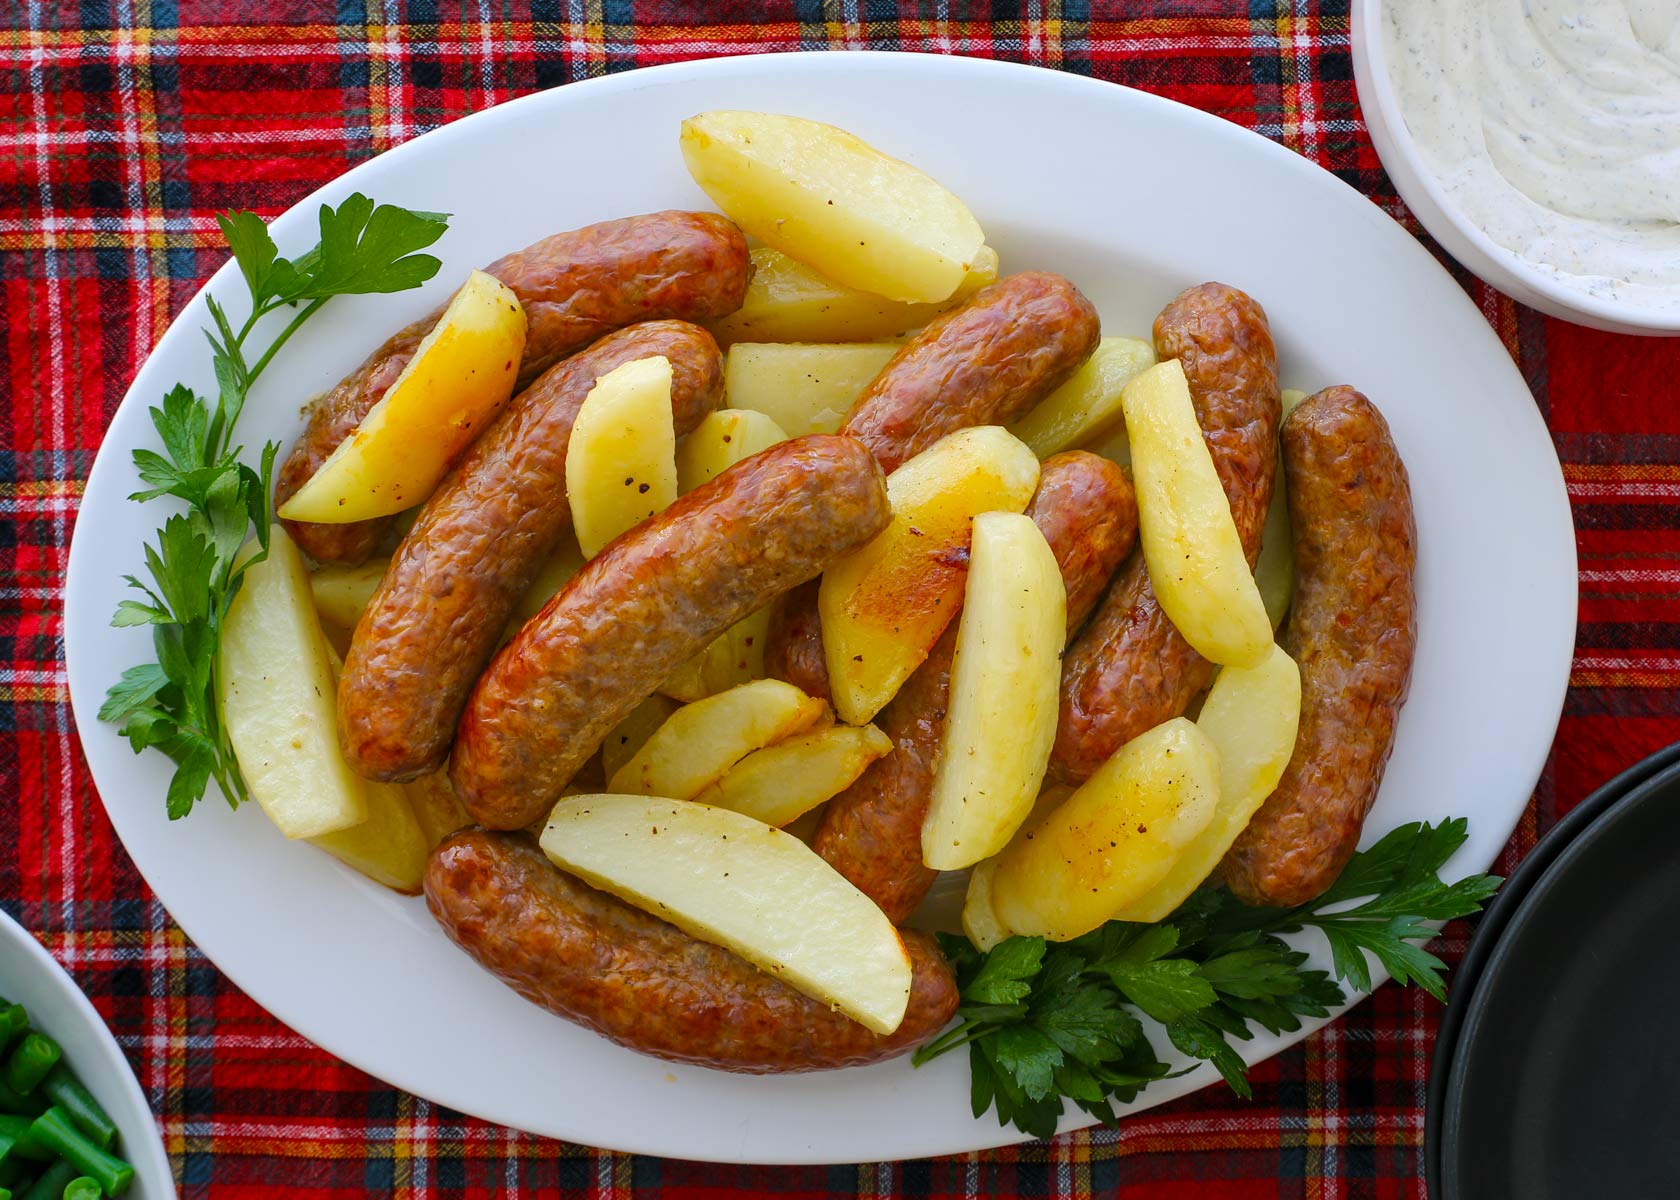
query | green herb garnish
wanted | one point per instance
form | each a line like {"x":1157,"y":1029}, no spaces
{"x":1045,"y":1022}
{"x":171,"y":704}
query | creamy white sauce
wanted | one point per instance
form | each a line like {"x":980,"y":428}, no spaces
{"x":1555,"y":126}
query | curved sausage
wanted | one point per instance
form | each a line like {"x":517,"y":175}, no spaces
{"x":872,"y":832}
{"x":1352,"y":630}
{"x":649,"y":602}
{"x":1130,"y":670}
{"x":591,"y":958}
{"x":1012,"y":344}
{"x":478,"y":543}
{"x":793,"y":648}
{"x":574,"y":287}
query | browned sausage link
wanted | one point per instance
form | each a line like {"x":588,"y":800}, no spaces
{"x":1352,"y":629}
{"x":793,"y":651}
{"x":649,"y":602}
{"x":589,"y":957}
{"x":1130,"y":670}
{"x":1012,"y":344}
{"x":478,"y":543}
{"x":872,"y":832}
{"x":574,"y":287}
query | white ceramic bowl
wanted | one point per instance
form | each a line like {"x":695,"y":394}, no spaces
{"x":31,"y":977}
{"x":1463,"y":238}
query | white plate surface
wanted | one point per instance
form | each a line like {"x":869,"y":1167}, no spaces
{"x":1131,"y":196}
{"x":31,"y":977}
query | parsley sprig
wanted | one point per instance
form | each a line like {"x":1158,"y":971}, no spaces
{"x":195,"y":569}
{"x":1045,"y":1023}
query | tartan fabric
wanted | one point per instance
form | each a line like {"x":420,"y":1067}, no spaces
{"x":126,"y":124}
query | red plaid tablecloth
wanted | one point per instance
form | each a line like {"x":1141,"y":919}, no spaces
{"x":125,"y":124}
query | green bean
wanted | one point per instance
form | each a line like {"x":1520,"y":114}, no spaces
{"x":14,"y":1022}
{"x":51,"y":1184}
{"x":5,"y":1193}
{"x":13,"y":1101}
{"x":56,"y":1132}
{"x":13,"y":1173}
{"x":65,"y":1091}
{"x":79,"y":1188}
{"x":33,"y":1057}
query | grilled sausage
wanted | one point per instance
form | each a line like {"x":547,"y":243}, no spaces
{"x":872,"y":832}
{"x":574,"y":288}
{"x":1352,"y":629}
{"x":1012,"y":344}
{"x":793,"y":648}
{"x":478,"y":543}
{"x":649,"y":602}
{"x":588,"y":956}
{"x":1130,"y":670}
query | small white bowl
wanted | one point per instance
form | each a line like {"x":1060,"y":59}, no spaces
{"x":1464,"y":239}
{"x":31,"y":977}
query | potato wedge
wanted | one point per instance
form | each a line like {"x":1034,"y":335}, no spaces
{"x":390,"y":847}
{"x":436,"y":806}
{"x":979,"y":916}
{"x":1196,"y":561}
{"x":460,"y":377}
{"x":780,"y":783}
{"x":1251,"y":715}
{"x":741,"y":884}
{"x":827,"y":198}
{"x":632,"y":733}
{"x":1001,"y":718}
{"x":1113,"y":839}
{"x":700,"y":741}
{"x":885,"y":605}
{"x":720,"y":441}
{"x":735,"y":656}
{"x":621,"y":461}
{"x":565,"y":562}
{"x":1087,"y":407}
{"x":804,"y":388}
{"x":1274,"y":570}
{"x":788,"y":301}
{"x":278,"y":699}
{"x":341,"y":593}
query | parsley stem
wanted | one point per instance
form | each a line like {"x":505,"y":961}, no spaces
{"x":303,"y":315}
{"x":953,"y":1039}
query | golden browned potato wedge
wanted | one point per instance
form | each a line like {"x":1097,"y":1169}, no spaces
{"x":1113,"y":839}
{"x":621,"y":461}
{"x":278,"y":700}
{"x":1196,"y":562}
{"x":633,"y":732}
{"x":979,"y":917}
{"x":436,"y":806}
{"x":389,"y":847}
{"x":780,"y":783}
{"x":720,"y":441}
{"x":804,"y":388}
{"x":738,"y":883}
{"x":1087,"y":407}
{"x":827,"y":198}
{"x":788,"y":301}
{"x":1001,"y":718}
{"x":884,"y":606}
{"x":458,"y":380}
{"x":700,"y":741}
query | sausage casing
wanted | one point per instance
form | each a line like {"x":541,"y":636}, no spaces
{"x":872,"y":832}
{"x":590,"y":957}
{"x":477,"y":545}
{"x":1131,"y":670}
{"x":646,"y":604}
{"x":1352,"y":630}
{"x":574,"y":287}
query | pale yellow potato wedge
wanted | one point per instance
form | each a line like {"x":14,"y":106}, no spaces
{"x":1274,"y":570}
{"x":390,"y":847}
{"x":885,"y":605}
{"x":700,"y":741}
{"x":1251,"y":715}
{"x":829,"y":199}
{"x":1005,"y":678}
{"x":805,"y":387}
{"x":436,"y":806}
{"x":341,"y":593}
{"x":739,"y":883}
{"x":1113,"y":839}
{"x":632,"y":733}
{"x":780,"y":783}
{"x":787,"y":301}
{"x":720,"y":441}
{"x":735,"y":656}
{"x":979,"y":917}
{"x":621,"y":461}
{"x":460,"y":377}
{"x":1196,"y":562}
{"x":1087,"y":407}
{"x":556,"y":573}
{"x":278,"y":695}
